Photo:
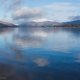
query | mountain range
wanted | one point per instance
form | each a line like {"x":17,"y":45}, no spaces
{"x":6,"y":24}
{"x":73,"y":22}
{"x":38,"y":24}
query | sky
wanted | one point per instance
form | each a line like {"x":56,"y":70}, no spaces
{"x":39,"y":10}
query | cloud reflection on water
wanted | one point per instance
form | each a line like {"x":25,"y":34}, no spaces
{"x":46,"y":38}
{"x":41,"y":62}
{"x":31,"y":38}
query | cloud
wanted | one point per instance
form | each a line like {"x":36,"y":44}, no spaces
{"x":15,"y":4}
{"x":74,"y":17}
{"x":62,"y":10}
{"x":8,"y":6}
{"x":57,"y":11}
{"x":11,"y":4}
{"x":27,"y":14}
{"x":41,"y":19}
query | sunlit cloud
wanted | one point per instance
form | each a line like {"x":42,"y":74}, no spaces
{"x":41,"y":20}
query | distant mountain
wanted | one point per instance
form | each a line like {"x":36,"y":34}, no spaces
{"x":73,"y":22}
{"x":6,"y":24}
{"x":48,"y":23}
{"x":6,"y":27}
{"x":39,"y":24}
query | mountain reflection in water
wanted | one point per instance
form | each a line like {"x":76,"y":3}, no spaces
{"x":40,"y":53}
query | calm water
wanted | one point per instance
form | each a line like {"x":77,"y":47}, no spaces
{"x":40,"y":53}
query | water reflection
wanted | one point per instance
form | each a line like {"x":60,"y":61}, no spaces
{"x":41,"y":62}
{"x":53,"y":39}
{"x":40,"y":53}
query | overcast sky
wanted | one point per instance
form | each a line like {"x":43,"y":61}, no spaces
{"x":39,"y":10}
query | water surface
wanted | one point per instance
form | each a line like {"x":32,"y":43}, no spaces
{"x":40,"y":53}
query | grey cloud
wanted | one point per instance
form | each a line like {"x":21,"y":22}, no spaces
{"x":9,"y":6}
{"x":74,"y":17}
{"x":15,"y":4}
{"x":24,"y":14}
